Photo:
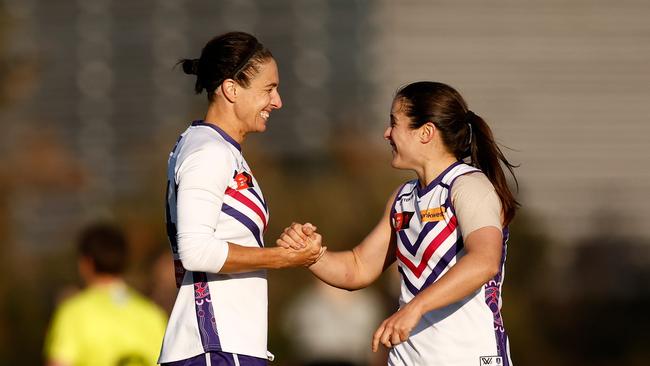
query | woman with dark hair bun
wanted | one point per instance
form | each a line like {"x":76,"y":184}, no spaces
{"x":216,"y":213}
{"x":447,"y":230}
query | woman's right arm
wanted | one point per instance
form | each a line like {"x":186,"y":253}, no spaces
{"x":356,"y":268}
{"x":202,"y":177}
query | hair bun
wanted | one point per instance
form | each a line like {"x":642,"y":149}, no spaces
{"x":191,"y":67}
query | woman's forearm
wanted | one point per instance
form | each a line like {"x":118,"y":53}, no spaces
{"x":342,"y":270}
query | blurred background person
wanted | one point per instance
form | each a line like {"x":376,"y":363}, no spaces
{"x":328,"y":326}
{"x":108,"y":323}
{"x":161,"y":282}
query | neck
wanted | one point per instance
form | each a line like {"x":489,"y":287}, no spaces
{"x":99,"y":279}
{"x":431,"y":169}
{"x":224,"y":118}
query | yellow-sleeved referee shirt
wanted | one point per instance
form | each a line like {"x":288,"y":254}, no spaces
{"x":106,"y":325}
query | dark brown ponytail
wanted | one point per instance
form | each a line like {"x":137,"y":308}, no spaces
{"x":464,"y":133}
{"x":486,"y":155}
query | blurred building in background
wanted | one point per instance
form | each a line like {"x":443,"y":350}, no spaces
{"x":562,"y":83}
{"x":90,"y":104}
{"x":108,"y":92}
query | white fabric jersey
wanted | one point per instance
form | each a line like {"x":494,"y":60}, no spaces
{"x":429,"y":243}
{"x":213,"y":199}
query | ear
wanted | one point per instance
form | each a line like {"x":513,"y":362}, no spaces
{"x":229,"y":89}
{"x":427,"y":132}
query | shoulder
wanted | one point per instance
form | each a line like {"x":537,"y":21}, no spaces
{"x":406,"y":188}
{"x":402,"y":192}
{"x":146,"y":307}
{"x":476,"y":203}
{"x":80,"y":299}
{"x":474,"y":184}
{"x":71,"y":308}
{"x":202,"y":141}
{"x":203,"y":151}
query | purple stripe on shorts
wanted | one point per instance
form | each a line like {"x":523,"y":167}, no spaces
{"x":228,"y":359}
{"x":192,"y":361}
{"x":244,"y":220}
{"x":220,"y":359}
{"x":205,"y":313}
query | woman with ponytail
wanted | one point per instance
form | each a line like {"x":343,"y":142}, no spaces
{"x":447,"y":230}
{"x":216,"y":213}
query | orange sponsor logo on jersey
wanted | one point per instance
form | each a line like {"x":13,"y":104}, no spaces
{"x":433,"y":214}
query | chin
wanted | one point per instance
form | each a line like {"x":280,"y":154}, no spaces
{"x":397,"y":164}
{"x":261,"y":127}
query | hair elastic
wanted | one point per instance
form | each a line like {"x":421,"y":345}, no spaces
{"x":469,"y":116}
{"x":195,"y":66}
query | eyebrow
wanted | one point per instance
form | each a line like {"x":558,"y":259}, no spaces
{"x":273,"y":84}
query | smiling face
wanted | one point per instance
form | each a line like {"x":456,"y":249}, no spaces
{"x":255,"y":103}
{"x":402,"y":138}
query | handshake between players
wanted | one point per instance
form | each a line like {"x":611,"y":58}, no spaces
{"x":302,"y":237}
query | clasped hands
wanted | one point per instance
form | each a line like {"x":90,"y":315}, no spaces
{"x":303,"y":241}
{"x":393,"y":330}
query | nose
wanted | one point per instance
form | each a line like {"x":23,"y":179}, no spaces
{"x":387,"y":133}
{"x":276,"y":101}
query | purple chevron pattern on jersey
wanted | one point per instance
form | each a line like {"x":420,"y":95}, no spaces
{"x":430,"y":243}
{"x":427,"y":247}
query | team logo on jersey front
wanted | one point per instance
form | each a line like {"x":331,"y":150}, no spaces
{"x":401,"y":220}
{"x":433,"y":214}
{"x":243,"y":180}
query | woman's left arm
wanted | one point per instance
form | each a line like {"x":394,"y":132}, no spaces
{"x":480,"y":264}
